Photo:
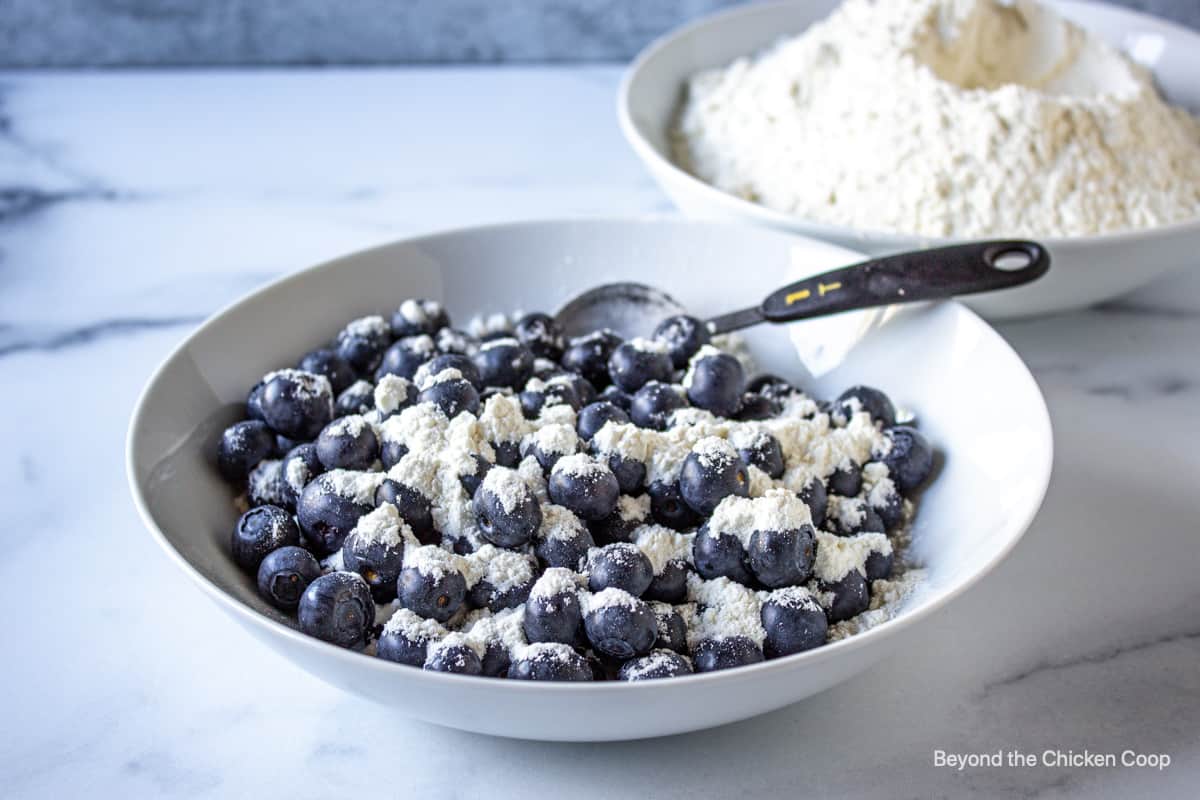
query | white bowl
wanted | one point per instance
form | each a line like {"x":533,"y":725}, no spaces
{"x":1085,"y":269}
{"x":975,"y":399}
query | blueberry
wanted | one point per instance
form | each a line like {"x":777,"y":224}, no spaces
{"x":630,"y":474}
{"x":358,"y":398}
{"x":556,"y":392}
{"x":243,"y":445}
{"x":454,"y":657}
{"x":562,"y":541}
{"x":853,"y":516}
{"x":337,"y":608}
{"x":347,"y":443}
{"x":620,"y":626}
{"x":658,"y":664}
{"x":909,"y":458}
{"x":391,"y":451}
{"x":485,"y":595}
{"x":328,"y":363}
{"x":885,"y":501}
{"x":635,"y":363}
{"x":765,"y":452}
{"x":757,"y":407}
{"x":453,"y":397}
{"x":464,"y":365}
{"x":254,"y":409}
{"x":554,"y":617}
{"x":864,"y":398}
{"x":405,"y":357}
{"x":672,"y":630}
{"x":584,"y":390}
{"x":496,"y":660}
{"x":297,"y":404}
{"x":620,"y":399}
{"x":593,"y":417}
{"x":470,"y":481}
{"x":417,"y":316}
{"x":720,"y":555}
{"x":813,"y":495}
{"x":413,"y":506}
{"x":258,"y":532}
{"x":653,"y":404}
{"x":668,"y":507}
{"x":507,"y":512}
{"x":284,"y":575}
{"x":551,"y":443}
{"x":725,"y":653}
{"x":588,"y":356}
{"x":362,"y":342}
{"x":846,"y":480}
{"x":878,"y":565}
{"x":771,"y":386}
{"x":265,"y":486}
{"x":585,"y":486}
{"x":406,"y":638}
{"x":451,"y":340}
{"x":541,"y":334}
{"x":508,"y":454}
{"x":378,"y":562}
{"x":782,"y":558}
{"x":683,"y":336}
{"x":544,"y":369}
{"x":435,"y":594}
{"x":300,"y":466}
{"x":620,"y":565}
{"x":550,"y":662}
{"x":845,"y":598}
{"x":715,"y":383}
{"x":794,"y":622}
{"x":531,"y":403}
{"x":670,"y":585}
{"x":504,"y":362}
{"x":710,"y":473}
{"x":326,"y":516}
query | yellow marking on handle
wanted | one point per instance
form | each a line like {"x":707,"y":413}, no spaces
{"x":826,"y":288}
{"x":796,"y":297}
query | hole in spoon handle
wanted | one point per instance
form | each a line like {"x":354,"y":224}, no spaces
{"x":907,"y":277}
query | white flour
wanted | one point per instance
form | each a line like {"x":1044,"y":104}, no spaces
{"x":945,"y":118}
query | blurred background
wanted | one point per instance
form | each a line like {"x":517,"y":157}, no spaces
{"x":147,"y":33}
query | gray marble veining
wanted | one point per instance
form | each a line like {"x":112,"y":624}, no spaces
{"x":129,"y":214}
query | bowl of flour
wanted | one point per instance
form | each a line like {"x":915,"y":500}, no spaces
{"x":888,"y":126}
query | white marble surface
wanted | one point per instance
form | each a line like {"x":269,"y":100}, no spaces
{"x":132,"y":205}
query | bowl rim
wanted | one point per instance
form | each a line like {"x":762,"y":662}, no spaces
{"x":872,"y":237}
{"x":1013,"y":531}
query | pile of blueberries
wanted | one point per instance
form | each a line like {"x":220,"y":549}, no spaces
{"x":299,"y":416}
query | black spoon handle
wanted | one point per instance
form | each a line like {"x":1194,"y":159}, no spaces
{"x":901,"y":278}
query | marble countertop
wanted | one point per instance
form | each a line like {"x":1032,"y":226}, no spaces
{"x":133,"y":205}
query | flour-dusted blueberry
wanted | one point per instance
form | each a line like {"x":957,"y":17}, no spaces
{"x":846,"y":480}
{"x":496,"y":660}
{"x":618,"y":625}
{"x":549,"y":661}
{"x":584,"y":485}
{"x":683,"y":336}
{"x":908,"y":456}
{"x":763,"y":450}
{"x":592,"y":418}
{"x":417,"y":316}
{"x":453,"y":395}
{"x":297,"y":404}
{"x":440,"y":363}
{"x":670,"y":584}
{"x":879,"y":564}
{"x":505,"y":509}
{"x":657,"y":664}
{"x":265,"y":485}
{"x":636,"y":362}
{"x":710,"y":473}
{"x":588,"y":356}
{"x":454,"y":654}
{"x":406,"y":638}
{"x":615,"y":395}
{"x":431,"y":585}
{"x":347,"y":443}
{"x":619,"y":565}
{"x":544,"y":369}
{"x":863,"y":398}
{"x":556,"y":391}
{"x":243,"y":445}
{"x":258,"y":532}
{"x":844,"y":598}
{"x":814,"y":496}
{"x":793,"y":621}
{"x":782,"y":558}
{"x":553,"y":612}
{"x":884,"y":499}
{"x":848,"y":516}
{"x":757,"y":407}
{"x":550,"y":443}
{"x":414,"y":507}
{"x":715,"y":382}
{"x":453,"y":340}
{"x":300,"y":466}
{"x":470,"y":479}
{"x":254,"y":409}
{"x":541,"y":334}
{"x":507,"y":579}
{"x":668,"y":507}
{"x":653,"y":404}
{"x":337,"y":608}
{"x":508,"y":454}
{"x":357,"y":398}
{"x":562,"y":540}
{"x":630,"y":513}
{"x":672,"y":630}
{"x":718,"y":555}
{"x":504,"y":362}
{"x":630,"y":473}
{"x":375,"y":550}
{"x":362,"y":342}
{"x":405,"y":357}
{"x":331,"y":505}
{"x":391,"y":451}
{"x":771,"y":386}
{"x":324,"y":361}
{"x":725,"y":653}
{"x":584,"y":390}
{"x":284,"y":574}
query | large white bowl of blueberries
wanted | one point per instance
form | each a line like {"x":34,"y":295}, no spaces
{"x":398,"y":470}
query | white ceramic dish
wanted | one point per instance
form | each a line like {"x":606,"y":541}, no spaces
{"x":1086,"y":270}
{"x":974,"y":396}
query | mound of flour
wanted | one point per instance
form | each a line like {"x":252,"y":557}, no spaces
{"x":945,"y":118}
